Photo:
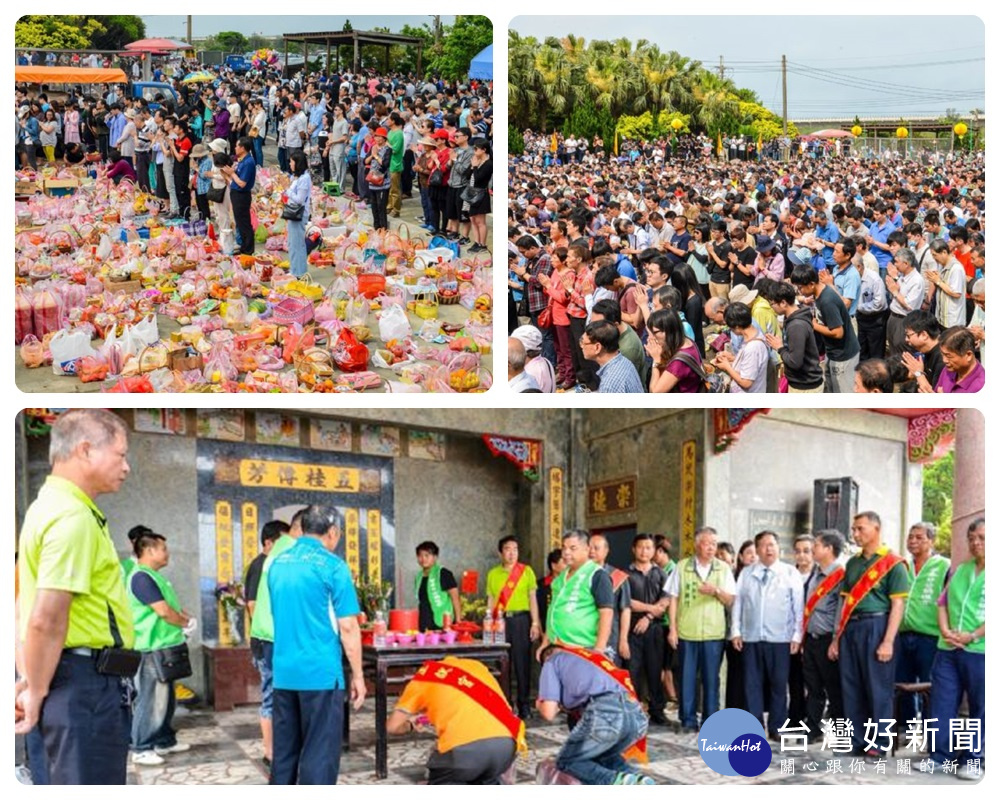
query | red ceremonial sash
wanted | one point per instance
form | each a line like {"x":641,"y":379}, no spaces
{"x":636,"y":750}
{"x":472,"y":687}
{"x":865,"y":584}
{"x":820,"y":592}
{"x":508,"y":588}
{"x":618,"y":577}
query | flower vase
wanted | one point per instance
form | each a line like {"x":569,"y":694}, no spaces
{"x":234,"y":616}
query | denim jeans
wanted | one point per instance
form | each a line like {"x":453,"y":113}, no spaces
{"x":258,"y":150}
{"x":916,"y":658}
{"x":593,"y":751}
{"x":838,"y":376}
{"x":706,"y":658}
{"x":154,"y":709}
{"x":955,"y":673}
{"x":263,"y":662}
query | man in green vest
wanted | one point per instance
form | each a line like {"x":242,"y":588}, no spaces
{"x":701,"y":588}
{"x":160,"y":622}
{"x":671,"y":666}
{"x":918,"y":633}
{"x":960,"y":665}
{"x":582,"y":599}
{"x":262,"y":635}
{"x":435,"y":589}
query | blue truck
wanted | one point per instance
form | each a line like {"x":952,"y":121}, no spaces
{"x":238,"y":64}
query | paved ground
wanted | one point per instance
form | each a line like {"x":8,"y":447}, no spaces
{"x":226,"y":749}
{"x":43,"y":379}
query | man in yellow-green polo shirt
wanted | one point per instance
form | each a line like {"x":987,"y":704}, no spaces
{"x":74,"y":607}
{"x":510,"y":590}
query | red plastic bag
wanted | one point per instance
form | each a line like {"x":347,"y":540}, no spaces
{"x":137,"y":384}
{"x":348,"y":353}
{"x":92,"y":369}
{"x":24,"y":322}
{"x":296,"y":340}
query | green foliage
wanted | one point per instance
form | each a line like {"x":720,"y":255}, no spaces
{"x":640,"y":127}
{"x":56,"y":32}
{"x":473,"y":607}
{"x":939,"y":484}
{"x":470,"y":34}
{"x":587,"y":121}
{"x":232,"y":42}
{"x":119,"y":30}
{"x":515,"y":141}
{"x":664,"y":123}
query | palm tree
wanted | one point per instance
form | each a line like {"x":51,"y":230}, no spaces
{"x":718,"y":104}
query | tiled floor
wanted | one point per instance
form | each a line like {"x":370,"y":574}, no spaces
{"x":226,"y":749}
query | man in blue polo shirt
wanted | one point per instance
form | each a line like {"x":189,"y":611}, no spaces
{"x":828,"y":235}
{"x":878,"y":235}
{"x":311,"y":587}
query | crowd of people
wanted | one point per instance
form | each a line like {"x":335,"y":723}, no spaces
{"x":813,"y":647}
{"x":392,"y":135}
{"x":671,"y":269}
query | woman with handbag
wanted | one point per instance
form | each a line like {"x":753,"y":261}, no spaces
{"x":296,"y":213}
{"x":160,"y":627}
{"x":477,"y":194}
{"x":677,"y":363}
{"x":377,"y":178}
{"x":203,"y":165}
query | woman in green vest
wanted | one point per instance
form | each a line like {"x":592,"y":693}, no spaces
{"x":128,"y":563}
{"x":960,"y":665}
{"x":435,"y":589}
{"x":159,"y":623}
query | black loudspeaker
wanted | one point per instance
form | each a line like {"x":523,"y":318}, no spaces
{"x":835,"y":502}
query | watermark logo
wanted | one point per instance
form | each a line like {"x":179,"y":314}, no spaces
{"x":732,"y":742}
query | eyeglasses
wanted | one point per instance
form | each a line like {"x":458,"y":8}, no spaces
{"x":584,"y":343}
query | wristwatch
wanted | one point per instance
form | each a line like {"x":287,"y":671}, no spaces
{"x":918,"y":374}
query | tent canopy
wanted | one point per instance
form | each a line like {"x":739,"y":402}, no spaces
{"x":830,"y":133}
{"x":481,"y":67}
{"x":158,"y":45}
{"x":68,"y":75}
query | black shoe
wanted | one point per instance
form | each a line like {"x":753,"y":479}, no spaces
{"x":659,"y":719}
{"x":524,"y":713}
{"x":267,"y":762}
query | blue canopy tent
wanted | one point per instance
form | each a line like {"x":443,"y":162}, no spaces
{"x":481,"y":67}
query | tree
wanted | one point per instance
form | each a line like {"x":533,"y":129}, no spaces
{"x":232,"y":42}
{"x":56,"y":32}
{"x":939,"y":484}
{"x":515,"y":140}
{"x":469,"y":35}
{"x":119,"y":30}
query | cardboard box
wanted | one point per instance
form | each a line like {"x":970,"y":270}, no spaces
{"x":25,"y":187}
{"x":61,"y":188}
{"x":129,"y":287}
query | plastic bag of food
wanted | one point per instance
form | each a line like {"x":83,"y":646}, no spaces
{"x":68,"y":347}
{"x":348,"y":353}
{"x":394,"y":324}
{"x":32,"y":351}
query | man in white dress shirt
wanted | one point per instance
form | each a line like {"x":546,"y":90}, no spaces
{"x":767,"y":628}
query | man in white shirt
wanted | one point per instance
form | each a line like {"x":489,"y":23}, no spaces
{"x":517,"y":379}
{"x":948,"y":279}
{"x":767,"y":629}
{"x":906,"y":290}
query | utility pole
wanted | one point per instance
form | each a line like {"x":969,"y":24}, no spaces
{"x":784,"y":96}
{"x":722,"y":69}
{"x":189,"y":30}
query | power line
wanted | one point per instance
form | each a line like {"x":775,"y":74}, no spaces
{"x":868,"y":81}
{"x":880,"y":86}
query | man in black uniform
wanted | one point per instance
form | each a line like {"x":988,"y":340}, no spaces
{"x":621,"y":622}
{"x":645,"y":640}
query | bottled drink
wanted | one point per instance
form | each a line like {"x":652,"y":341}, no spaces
{"x":499,"y":630}
{"x":488,"y":628}
{"x":446,"y":621}
{"x":379,"y":630}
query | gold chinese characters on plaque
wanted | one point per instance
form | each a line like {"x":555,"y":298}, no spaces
{"x":612,"y":497}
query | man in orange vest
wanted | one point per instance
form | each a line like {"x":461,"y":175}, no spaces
{"x":876,"y":584}
{"x":478,"y":733}
{"x":821,"y":675}
{"x":621,"y":622}
{"x":612,"y":724}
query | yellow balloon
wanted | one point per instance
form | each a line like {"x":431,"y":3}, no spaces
{"x":676,"y":124}
{"x":961,"y":129}
{"x":902,"y":133}
{"x":856,"y":130}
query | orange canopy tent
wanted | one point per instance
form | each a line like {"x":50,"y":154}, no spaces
{"x":68,"y":75}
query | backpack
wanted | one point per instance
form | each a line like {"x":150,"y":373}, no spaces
{"x":707,"y":383}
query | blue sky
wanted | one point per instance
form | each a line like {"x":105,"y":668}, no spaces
{"x":864,"y":65}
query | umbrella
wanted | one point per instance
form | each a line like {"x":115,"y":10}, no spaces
{"x":158,"y":45}
{"x":831,"y":133}
{"x":202,"y":76}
